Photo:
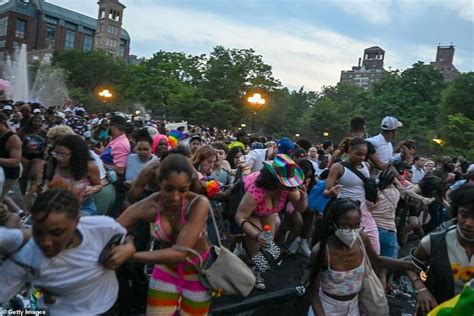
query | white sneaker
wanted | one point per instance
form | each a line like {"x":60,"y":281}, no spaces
{"x":304,"y":248}
{"x":238,"y":250}
{"x":259,"y":281}
{"x":293,"y":248}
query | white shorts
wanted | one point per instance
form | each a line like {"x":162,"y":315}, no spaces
{"x":334,"y":307}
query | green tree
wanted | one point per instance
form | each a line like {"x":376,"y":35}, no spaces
{"x":459,"y":96}
{"x":230,"y":73}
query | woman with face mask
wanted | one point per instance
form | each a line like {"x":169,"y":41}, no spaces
{"x":337,"y":265}
{"x":449,"y":253}
{"x":350,"y":186}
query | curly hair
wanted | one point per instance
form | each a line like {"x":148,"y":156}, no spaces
{"x":80,"y":156}
{"x":55,"y":132}
{"x":55,"y":200}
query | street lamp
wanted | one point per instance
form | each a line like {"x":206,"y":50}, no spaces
{"x":438,"y":141}
{"x":297,"y":135}
{"x":243,"y":125}
{"x":105,"y":94}
{"x":255,"y":100}
{"x":326,"y":134}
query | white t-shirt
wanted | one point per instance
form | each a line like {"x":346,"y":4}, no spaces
{"x":418,"y":174}
{"x":135,"y":165}
{"x":74,"y":277}
{"x":99,"y":163}
{"x":255,"y":159}
{"x":383,"y":148}
{"x":461,"y":266}
{"x":10,"y":240}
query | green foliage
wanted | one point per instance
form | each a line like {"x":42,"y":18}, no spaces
{"x":459,"y":96}
{"x":459,"y":135}
{"x":212,"y":90}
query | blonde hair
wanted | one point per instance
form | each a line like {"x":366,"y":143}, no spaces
{"x":57,"y":131}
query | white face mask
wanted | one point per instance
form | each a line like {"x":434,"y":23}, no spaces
{"x":462,"y":235}
{"x":348,"y":235}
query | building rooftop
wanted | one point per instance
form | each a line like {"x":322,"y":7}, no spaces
{"x":60,"y":12}
{"x":377,"y":48}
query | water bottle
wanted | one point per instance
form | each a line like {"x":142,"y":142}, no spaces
{"x":112,"y":175}
{"x":267,"y":235}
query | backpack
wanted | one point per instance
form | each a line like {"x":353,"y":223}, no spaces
{"x":236,"y":196}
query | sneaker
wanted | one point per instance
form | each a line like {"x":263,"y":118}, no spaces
{"x":238,"y":250}
{"x":304,"y":248}
{"x":294,"y":246}
{"x":259,"y":281}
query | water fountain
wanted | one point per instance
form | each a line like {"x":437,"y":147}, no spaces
{"x":49,"y":87}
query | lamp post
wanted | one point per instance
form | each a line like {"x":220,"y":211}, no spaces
{"x":256,"y":101}
{"x":105,"y":94}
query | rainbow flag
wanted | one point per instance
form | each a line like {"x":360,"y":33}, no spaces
{"x":174,"y":137}
{"x":212,"y":187}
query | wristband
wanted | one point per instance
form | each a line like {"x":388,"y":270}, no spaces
{"x":421,"y":290}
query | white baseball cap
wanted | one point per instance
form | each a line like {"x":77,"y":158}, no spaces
{"x":390,"y":123}
{"x":37,"y":111}
{"x":7,"y":107}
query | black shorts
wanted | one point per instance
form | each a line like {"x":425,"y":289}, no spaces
{"x":11,"y":173}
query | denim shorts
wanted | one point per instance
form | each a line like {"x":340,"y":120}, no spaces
{"x":388,"y":243}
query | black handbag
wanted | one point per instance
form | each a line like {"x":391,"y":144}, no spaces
{"x":370,"y":187}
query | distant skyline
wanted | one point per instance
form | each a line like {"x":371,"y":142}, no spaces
{"x":306,"y":42}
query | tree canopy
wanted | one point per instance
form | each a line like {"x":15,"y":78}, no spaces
{"x":212,"y":90}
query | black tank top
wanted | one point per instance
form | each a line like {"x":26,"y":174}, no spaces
{"x":10,"y":172}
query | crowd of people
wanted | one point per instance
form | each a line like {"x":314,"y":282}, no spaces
{"x":109,"y":202}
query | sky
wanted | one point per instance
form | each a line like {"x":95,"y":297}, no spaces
{"x":307,"y":42}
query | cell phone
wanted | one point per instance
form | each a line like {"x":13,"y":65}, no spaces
{"x":107,"y":251}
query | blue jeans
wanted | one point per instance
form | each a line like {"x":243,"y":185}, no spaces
{"x":388,"y":243}
{"x":88,"y":206}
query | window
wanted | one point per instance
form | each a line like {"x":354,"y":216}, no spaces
{"x":69,"y":42}
{"x":20,"y":28}
{"x":88,"y":32}
{"x":70,"y":26}
{"x":3,"y":26}
{"x":50,"y":35}
{"x":88,"y":40}
{"x":123,"y":44}
{"x":50,"y":20}
{"x":112,"y":29}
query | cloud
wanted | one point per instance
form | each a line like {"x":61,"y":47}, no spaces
{"x":311,"y":57}
{"x":462,"y":8}
{"x":377,"y":12}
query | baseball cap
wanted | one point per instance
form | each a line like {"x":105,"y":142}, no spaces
{"x":8,"y":107}
{"x":390,"y":123}
{"x":285,"y":146}
{"x":79,"y":109}
{"x":36,"y":111}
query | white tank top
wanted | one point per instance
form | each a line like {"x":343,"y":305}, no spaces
{"x":352,"y":185}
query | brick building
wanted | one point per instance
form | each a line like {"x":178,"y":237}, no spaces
{"x":45,"y":27}
{"x":369,"y":71}
{"x":444,"y":62}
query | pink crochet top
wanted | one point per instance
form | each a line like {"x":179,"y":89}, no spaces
{"x":258,"y":194}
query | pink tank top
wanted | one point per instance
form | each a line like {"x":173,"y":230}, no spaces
{"x":80,"y":185}
{"x":259,"y":195}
